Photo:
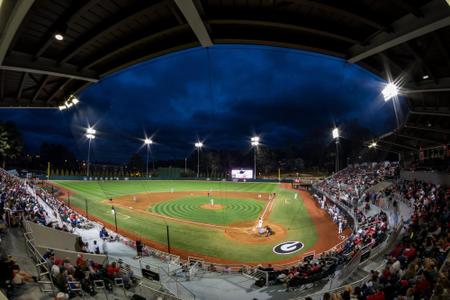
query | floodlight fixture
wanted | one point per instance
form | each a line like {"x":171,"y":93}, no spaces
{"x":91,"y":130}
{"x":373,"y":145}
{"x":71,"y":101}
{"x":335,"y":133}
{"x":147,"y":142}
{"x":426,"y":76}
{"x":59,"y":36}
{"x":254,"y":141}
{"x":198,"y":145}
{"x":390,"y":91}
{"x":90,"y":134}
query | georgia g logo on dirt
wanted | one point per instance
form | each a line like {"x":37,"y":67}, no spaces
{"x":288,"y":247}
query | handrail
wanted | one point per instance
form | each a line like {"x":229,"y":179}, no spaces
{"x":165,"y":272}
{"x":159,"y":293}
{"x":343,"y":287}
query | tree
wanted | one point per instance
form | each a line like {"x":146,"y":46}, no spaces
{"x":11,"y":143}
{"x":58,"y":155}
{"x":136,"y":163}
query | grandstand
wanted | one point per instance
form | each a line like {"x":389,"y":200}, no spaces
{"x":392,"y":217}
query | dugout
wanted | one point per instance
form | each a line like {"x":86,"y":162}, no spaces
{"x":304,"y":185}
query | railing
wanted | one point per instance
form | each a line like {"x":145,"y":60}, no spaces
{"x":149,"y":292}
{"x":44,"y":277}
{"x":319,"y":295}
{"x":170,"y":280}
{"x":386,"y":245}
{"x":257,"y":274}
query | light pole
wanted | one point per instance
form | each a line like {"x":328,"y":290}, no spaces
{"x":147,"y":142}
{"x":198,"y":145}
{"x":335,"y":134}
{"x":389,"y":92}
{"x":90,"y":134}
{"x":254,"y":141}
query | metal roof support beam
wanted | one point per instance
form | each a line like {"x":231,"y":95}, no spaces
{"x":442,"y":48}
{"x":284,"y":26}
{"x":111,"y":52}
{"x":410,"y":8}
{"x":342,"y":12}
{"x":15,"y":19}
{"x":436,"y":90}
{"x":420,"y":59}
{"x":109,"y":25}
{"x":61,"y":87}
{"x":430,"y":113}
{"x":41,"y":86}
{"x":428,"y":86}
{"x":192,"y":16}
{"x":65,"y":19}
{"x":411,"y":137}
{"x":436,"y":16}
{"x":22,"y":81}
{"x":48,"y":72}
{"x":399,"y":145}
{"x":2,"y":84}
{"x":438,"y":130}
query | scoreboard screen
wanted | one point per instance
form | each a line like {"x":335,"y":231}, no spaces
{"x":242,"y":174}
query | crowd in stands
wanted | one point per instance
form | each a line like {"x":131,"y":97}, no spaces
{"x":69,"y":276}
{"x":350,"y":184}
{"x":413,"y":269}
{"x":371,"y":232}
{"x":19,"y":203}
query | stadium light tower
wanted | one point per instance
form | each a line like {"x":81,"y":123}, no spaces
{"x":389,"y":92}
{"x":147,"y":143}
{"x":254,"y":141}
{"x":198,"y":145}
{"x":90,"y":134}
{"x":335,"y":134}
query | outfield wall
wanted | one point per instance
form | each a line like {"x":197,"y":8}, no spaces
{"x":84,"y":178}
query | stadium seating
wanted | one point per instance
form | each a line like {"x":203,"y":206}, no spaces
{"x":414,"y":267}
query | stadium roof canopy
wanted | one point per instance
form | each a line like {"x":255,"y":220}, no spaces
{"x":406,"y":38}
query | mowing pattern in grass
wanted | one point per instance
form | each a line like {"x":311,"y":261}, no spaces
{"x":287,"y":212}
{"x":188,"y":208}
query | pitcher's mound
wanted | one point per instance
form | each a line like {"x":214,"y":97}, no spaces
{"x":213,"y":207}
{"x":249,"y":234}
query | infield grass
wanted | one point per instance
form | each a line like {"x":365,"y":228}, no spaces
{"x":287,"y":211}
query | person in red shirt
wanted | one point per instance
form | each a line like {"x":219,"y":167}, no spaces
{"x":112,"y":270}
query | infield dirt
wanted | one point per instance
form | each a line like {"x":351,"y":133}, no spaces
{"x":327,"y":232}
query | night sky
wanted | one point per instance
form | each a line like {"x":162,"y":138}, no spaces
{"x":222,"y":95}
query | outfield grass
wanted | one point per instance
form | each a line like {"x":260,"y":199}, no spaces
{"x":286,"y":211}
{"x":189,"y":208}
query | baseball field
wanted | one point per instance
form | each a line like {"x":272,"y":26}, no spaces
{"x":216,"y":220}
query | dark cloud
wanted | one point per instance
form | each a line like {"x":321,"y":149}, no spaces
{"x":223,"y":95}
